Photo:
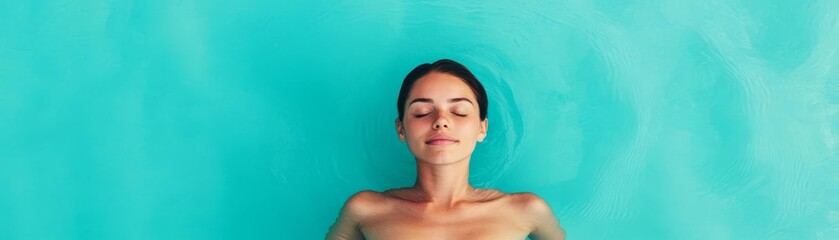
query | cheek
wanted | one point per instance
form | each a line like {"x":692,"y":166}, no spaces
{"x":468,"y":127}
{"x":414,"y":127}
{"x":465,"y":127}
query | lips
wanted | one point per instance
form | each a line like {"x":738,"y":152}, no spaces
{"x":441,"y":139}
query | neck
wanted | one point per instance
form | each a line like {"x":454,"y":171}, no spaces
{"x":443,"y":185}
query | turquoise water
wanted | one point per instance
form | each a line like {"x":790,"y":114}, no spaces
{"x":256,"y":120}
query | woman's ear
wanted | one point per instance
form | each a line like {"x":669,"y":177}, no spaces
{"x":400,"y":130}
{"x":483,"y":133}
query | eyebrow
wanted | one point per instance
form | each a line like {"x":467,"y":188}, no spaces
{"x":451,"y":100}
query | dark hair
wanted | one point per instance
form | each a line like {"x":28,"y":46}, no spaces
{"x":443,"y":66}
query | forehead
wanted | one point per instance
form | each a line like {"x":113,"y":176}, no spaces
{"x":437,"y":85}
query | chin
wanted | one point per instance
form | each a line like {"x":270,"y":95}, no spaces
{"x":442,"y":159}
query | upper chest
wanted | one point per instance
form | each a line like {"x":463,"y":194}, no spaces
{"x":495,"y":220}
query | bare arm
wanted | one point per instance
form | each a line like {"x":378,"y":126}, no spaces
{"x":546,"y":225}
{"x":347,"y":226}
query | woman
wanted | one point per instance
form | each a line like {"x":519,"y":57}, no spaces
{"x":442,"y":115}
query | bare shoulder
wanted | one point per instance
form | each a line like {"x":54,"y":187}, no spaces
{"x":538,"y":212}
{"x":523,"y":202}
{"x":356,"y":211}
{"x":530,"y":203}
{"x":363,"y":204}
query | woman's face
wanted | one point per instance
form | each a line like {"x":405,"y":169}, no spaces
{"x":442,"y":121}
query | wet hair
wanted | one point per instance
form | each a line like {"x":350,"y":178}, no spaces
{"x":442,"y":66}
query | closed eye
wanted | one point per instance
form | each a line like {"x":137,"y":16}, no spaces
{"x":459,"y":115}
{"x":420,"y":115}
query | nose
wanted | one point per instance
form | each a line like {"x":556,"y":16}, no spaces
{"x":441,"y":123}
